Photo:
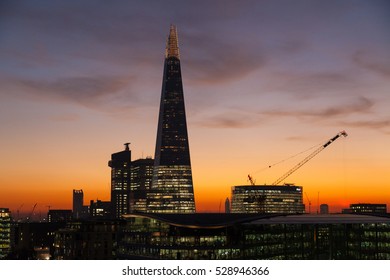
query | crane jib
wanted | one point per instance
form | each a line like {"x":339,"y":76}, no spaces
{"x":305,"y":160}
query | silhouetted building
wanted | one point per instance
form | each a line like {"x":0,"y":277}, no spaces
{"x":59,"y":215}
{"x":254,"y":236}
{"x":172,"y":187}
{"x":87,"y":240}
{"x":368,"y":208}
{"x":141,"y":181}
{"x":100,"y":209}
{"x":120,"y":164}
{"x":324,"y":209}
{"x":285,"y":199}
{"x":34,"y":240}
{"x":5,"y":232}
{"x":227,"y":205}
{"x":80,"y":211}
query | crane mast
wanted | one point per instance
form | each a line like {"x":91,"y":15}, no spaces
{"x":309,"y":157}
{"x":308,"y":200}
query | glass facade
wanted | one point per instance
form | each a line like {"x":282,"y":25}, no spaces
{"x":141,"y":181}
{"x":245,"y":236}
{"x":172,"y":191}
{"x":172,"y":187}
{"x":267,"y":199}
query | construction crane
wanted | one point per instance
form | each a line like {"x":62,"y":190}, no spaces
{"x":308,"y":200}
{"x":18,"y":211}
{"x":250,"y":178}
{"x":32,"y":212}
{"x":309,"y":157}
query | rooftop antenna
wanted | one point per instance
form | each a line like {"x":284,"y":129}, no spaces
{"x":318,"y":201}
{"x":308,"y":200}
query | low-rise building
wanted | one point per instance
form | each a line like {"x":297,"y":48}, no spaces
{"x":286,"y":199}
{"x":254,"y":236}
{"x":368,"y":208}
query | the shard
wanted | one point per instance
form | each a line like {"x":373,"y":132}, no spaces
{"x":172,"y":189}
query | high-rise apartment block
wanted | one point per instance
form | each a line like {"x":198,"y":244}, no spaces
{"x":172,"y":187}
{"x":120,"y":164}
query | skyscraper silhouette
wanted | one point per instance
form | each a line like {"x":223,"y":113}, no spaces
{"x":120,"y":164}
{"x":78,"y":202}
{"x":172,"y":188}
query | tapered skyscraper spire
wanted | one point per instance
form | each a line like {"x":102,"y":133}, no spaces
{"x":172,"y":49}
{"x":172,"y":189}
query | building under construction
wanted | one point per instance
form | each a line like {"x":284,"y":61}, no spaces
{"x":286,"y":199}
{"x":274,"y":198}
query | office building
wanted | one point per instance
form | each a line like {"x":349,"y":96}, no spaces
{"x":59,"y":215}
{"x":34,"y":240}
{"x":368,"y":208}
{"x":80,"y":211}
{"x":100,"y":209}
{"x":87,"y":240}
{"x":254,"y":236}
{"x":285,"y":199}
{"x":120,"y":164}
{"x":324,"y":209}
{"x":78,"y":202}
{"x":172,"y":186}
{"x":5,"y":232}
{"x":141,"y":181}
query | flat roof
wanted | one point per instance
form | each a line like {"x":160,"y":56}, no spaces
{"x":269,"y":187}
{"x":324,"y":219}
{"x":201,"y":220}
{"x":219,"y":220}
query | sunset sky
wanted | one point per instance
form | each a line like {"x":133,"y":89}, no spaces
{"x":263,"y":80}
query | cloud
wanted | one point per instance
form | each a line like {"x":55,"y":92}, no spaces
{"x":358,"y":106}
{"x":244,"y":118}
{"x":215,"y":61}
{"x":97,"y":92}
{"x":312,"y":85}
{"x":65,"y":117}
{"x":377,"y":124}
{"x":370,"y":62}
{"x":231,"y":119}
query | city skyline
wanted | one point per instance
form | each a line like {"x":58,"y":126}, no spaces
{"x":262,"y":82}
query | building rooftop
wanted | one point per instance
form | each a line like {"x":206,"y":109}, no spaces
{"x":324,"y":219}
{"x":218,"y":220}
{"x":201,"y":220}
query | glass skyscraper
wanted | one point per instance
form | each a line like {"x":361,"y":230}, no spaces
{"x":172,"y":188}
